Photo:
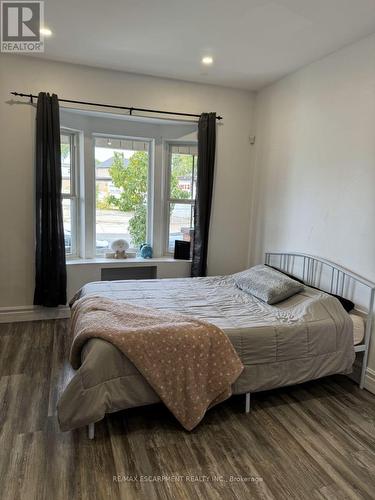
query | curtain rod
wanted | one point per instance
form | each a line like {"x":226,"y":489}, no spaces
{"x":128,"y":108}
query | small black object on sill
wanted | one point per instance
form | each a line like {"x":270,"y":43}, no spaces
{"x":182,"y":250}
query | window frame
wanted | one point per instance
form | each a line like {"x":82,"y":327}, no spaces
{"x":167,"y":188}
{"x":73,"y":196}
{"x":150,"y":185}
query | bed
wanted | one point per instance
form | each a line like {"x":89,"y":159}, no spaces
{"x":302,"y":338}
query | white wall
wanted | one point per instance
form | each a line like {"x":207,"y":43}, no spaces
{"x":229,"y":229}
{"x":315,"y":162}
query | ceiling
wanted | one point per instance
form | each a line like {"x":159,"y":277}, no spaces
{"x":253,"y":42}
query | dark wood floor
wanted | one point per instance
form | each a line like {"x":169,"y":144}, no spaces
{"x":311,"y":441}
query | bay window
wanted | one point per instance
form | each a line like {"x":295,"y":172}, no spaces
{"x":124,"y":187}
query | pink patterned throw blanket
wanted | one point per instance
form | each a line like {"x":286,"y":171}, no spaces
{"x":189,"y":363}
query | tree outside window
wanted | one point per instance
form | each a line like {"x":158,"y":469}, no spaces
{"x":131,"y":178}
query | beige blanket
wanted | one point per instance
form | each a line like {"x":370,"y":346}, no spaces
{"x":189,"y":363}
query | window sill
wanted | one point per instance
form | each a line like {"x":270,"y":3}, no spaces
{"x":131,"y":261}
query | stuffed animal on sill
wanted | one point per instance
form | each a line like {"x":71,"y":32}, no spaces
{"x":145,"y":251}
{"x":119,"y":248}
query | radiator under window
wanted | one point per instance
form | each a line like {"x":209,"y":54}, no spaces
{"x":128,"y":273}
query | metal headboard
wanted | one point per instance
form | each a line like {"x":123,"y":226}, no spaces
{"x":332,"y":278}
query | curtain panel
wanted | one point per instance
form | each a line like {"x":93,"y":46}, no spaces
{"x":203,"y":201}
{"x":50,"y":266}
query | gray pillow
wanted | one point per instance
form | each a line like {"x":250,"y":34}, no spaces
{"x":267,"y":284}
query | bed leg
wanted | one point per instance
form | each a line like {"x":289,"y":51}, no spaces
{"x":247,"y":403}
{"x":91,"y":431}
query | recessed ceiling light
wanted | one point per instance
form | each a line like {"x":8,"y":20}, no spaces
{"x":207,"y":60}
{"x":45,"y":31}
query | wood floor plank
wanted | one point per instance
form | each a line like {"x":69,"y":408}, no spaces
{"x":314,"y":441}
{"x":15,"y":349}
{"x":61,"y":371}
{"x":318,"y":444}
{"x":291,"y":459}
{"x":348,"y":423}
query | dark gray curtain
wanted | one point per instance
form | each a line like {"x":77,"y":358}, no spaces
{"x":205,"y":181}
{"x":50,"y":268}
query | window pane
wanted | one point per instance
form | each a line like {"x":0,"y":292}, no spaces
{"x":67,"y":218}
{"x":112,"y":143}
{"x":66,"y":163}
{"x":121,"y":192}
{"x":181,"y":223}
{"x":187,"y":149}
{"x":181,"y":176}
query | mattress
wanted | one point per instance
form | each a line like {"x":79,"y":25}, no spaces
{"x":302,"y":338}
{"x":358,"y":327}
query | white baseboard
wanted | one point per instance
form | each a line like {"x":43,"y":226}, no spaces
{"x":370,"y":380}
{"x":32,"y":313}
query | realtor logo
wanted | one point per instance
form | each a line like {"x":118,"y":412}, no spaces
{"x":20,"y":26}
